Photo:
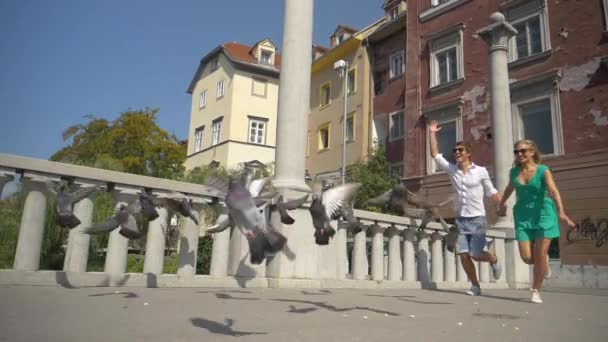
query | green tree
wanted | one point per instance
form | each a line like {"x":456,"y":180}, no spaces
{"x":374,"y":176}
{"x":132,"y":143}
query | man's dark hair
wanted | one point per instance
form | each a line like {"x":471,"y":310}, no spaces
{"x":466,"y":145}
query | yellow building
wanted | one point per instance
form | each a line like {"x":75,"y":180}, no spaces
{"x":325,"y":130}
{"x":234,"y":106}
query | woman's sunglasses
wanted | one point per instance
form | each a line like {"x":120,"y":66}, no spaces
{"x":522,"y":151}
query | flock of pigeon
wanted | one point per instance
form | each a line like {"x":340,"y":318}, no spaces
{"x":249,"y":205}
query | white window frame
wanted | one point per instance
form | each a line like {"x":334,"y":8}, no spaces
{"x":352,"y":83}
{"x":269,"y":53}
{"x":392,"y":72}
{"x":435,"y":50}
{"x":320,"y":147}
{"x":202,"y":99}
{"x":393,"y":13}
{"x":444,"y":115}
{"x":518,"y":126}
{"x":321,"y":97}
{"x":439,"y":2}
{"x":199,"y":139}
{"x":257,"y":121}
{"x":216,"y":136}
{"x":350,"y":117}
{"x":544,"y":34}
{"x":221,"y":89}
{"x":391,"y":124}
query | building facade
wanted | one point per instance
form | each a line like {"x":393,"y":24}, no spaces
{"x":234,"y":106}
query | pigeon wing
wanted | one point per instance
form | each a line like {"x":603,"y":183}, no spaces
{"x":82,"y":193}
{"x":106,"y":225}
{"x":335,"y":198}
{"x":381,"y":200}
{"x":221,"y":224}
{"x":257,"y":185}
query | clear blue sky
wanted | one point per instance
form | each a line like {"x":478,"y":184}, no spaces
{"x":63,"y":59}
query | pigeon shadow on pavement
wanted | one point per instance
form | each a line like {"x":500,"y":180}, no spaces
{"x":221,"y":295}
{"x":221,"y":328}
{"x":61,"y":278}
{"x":125,"y":294}
{"x":329,"y":307}
{"x":407,"y":299}
{"x":483,"y":295}
{"x":317,"y":293}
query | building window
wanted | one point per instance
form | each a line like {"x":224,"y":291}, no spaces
{"x":449,"y":120}
{"x":202,"y":100}
{"x":393,"y":13}
{"x":199,"y":135}
{"x":217,"y":132}
{"x":446,"y":58}
{"x":259,"y":87}
{"x":340,"y":39}
{"x":220,"y":89}
{"x":352,"y":81}
{"x":324,"y":137}
{"x":350,"y":127}
{"x":396,"y":126}
{"x":325,"y":94}
{"x":537,"y":115}
{"x":396,"y":170}
{"x":257,"y":131}
{"x":438,"y":2}
{"x":266,"y":57}
{"x":529,"y":19}
{"x":396,"y":64}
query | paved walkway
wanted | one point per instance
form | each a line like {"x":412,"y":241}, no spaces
{"x":196,"y":314}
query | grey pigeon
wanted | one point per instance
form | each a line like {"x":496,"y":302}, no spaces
{"x":177,"y":202}
{"x":125,"y":218}
{"x":329,"y":205}
{"x":65,"y":201}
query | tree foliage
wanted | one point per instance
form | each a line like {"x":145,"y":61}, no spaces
{"x":132,"y":143}
{"x":374,"y":176}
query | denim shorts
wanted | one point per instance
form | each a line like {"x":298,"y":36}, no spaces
{"x":472,"y":238}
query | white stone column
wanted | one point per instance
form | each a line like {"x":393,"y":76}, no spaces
{"x":6,"y":176}
{"x":424,"y":275}
{"x":359,"y":257}
{"x":499,"y":250}
{"x":377,"y":252}
{"x":409,"y":255}
{"x":290,"y":150}
{"x":118,"y":245}
{"x":155,"y":243}
{"x":497,"y":35}
{"x":484,"y":272}
{"x":31,"y":229}
{"x":188,"y":247}
{"x":436,"y":258}
{"x":341,"y":251}
{"x":449,"y":266}
{"x":394,"y":254}
{"x":220,"y":251}
{"x":77,"y":252}
{"x":461,"y":275}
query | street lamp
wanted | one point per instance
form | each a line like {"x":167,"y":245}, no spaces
{"x":341,"y":66}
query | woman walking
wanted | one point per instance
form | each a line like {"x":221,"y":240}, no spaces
{"x":536,"y":211}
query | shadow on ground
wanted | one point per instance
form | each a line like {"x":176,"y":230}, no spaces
{"x":221,"y":328}
{"x":324,"y":305}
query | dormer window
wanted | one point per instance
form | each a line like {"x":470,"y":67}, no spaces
{"x":340,"y":39}
{"x":266,"y":57}
{"x":393,"y":13}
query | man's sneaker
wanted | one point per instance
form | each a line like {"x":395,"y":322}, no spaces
{"x":474,"y":291}
{"x":536,"y":297}
{"x":548,"y":273}
{"x":496,"y":269}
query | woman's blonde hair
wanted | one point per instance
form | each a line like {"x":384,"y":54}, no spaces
{"x":537,"y":157}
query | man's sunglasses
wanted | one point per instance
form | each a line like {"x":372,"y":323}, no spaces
{"x":522,"y":151}
{"x":459,"y":150}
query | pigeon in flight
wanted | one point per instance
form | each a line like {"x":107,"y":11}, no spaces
{"x":125,"y":218}
{"x":65,"y":201}
{"x":331,"y":204}
{"x":177,"y":202}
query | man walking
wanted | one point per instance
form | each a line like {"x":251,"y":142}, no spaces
{"x":470,"y":182}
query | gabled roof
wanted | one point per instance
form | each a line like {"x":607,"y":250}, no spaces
{"x":241,"y":56}
{"x":344,"y":28}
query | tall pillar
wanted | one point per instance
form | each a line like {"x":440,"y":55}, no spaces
{"x":290,"y":150}
{"x":499,"y":250}
{"x":497,"y":35}
{"x":220,"y":251}
{"x":436,"y":257}
{"x":341,"y":251}
{"x":394,"y":254}
{"x":118,"y":248}
{"x":461,"y":275}
{"x":31,"y":229}
{"x":359,"y":258}
{"x":188,"y":247}
{"x":377,"y":252}
{"x":424,"y":275}
{"x":449,"y":266}
{"x":77,"y":252}
{"x":409,"y":255}
{"x":155,"y":243}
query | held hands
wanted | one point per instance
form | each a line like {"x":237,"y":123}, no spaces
{"x":501,"y":209}
{"x":434,"y":126}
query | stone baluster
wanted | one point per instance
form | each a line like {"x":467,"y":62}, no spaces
{"x":394,"y":254}
{"x":31,"y":229}
{"x":423,"y":257}
{"x":461,"y":275}
{"x":436,"y":257}
{"x":155,"y":243}
{"x":449,"y":266}
{"x":341,"y":250}
{"x":409,"y":255}
{"x":359,"y":257}
{"x":188,"y":246}
{"x":499,"y":250}
{"x":377,"y":252}
{"x":118,"y":245}
{"x":484,"y":272}
{"x":77,"y":251}
{"x":220,"y":251}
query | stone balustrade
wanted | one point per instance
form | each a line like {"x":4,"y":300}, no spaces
{"x":389,"y":250}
